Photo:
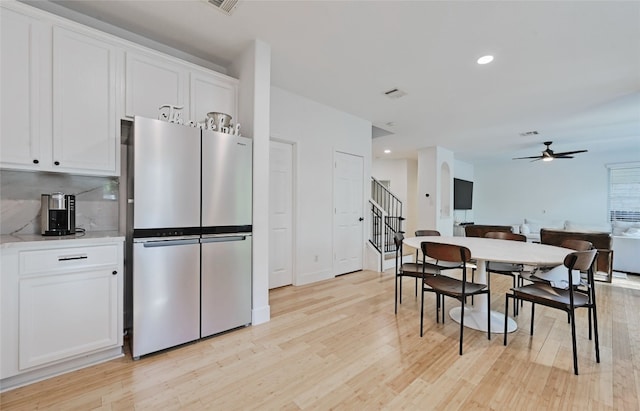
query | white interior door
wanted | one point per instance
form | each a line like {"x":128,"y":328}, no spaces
{"x":280,"y":214}
{"x":348,"y":208}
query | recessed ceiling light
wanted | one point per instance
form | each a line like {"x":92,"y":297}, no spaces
{"x":387,"y":151}
{"x":485,"y":59}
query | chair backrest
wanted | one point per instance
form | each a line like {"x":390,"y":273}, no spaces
{"x":427,"y":233}
{"x":397,"y":239}
{"x":446,"y":252}
{"x":503,"y":235}
{"x":578,"y":245}
{"x":477,"y":230}
{"x":581,"y":261}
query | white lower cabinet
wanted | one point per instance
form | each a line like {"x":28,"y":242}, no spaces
{"x":67,"y":314}
{"x":62,"y":307}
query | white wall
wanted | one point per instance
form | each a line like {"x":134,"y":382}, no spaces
{"x":435,"y":178}
{"x":575,"y":189}
{"x":318,"y":132}
{"x":253,"y":68}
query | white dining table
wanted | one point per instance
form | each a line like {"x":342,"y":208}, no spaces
{"x":489,"y":249}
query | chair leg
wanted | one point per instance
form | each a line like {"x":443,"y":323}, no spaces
{"x":437,"y":308}
{"x":515,"y":300}
{"x":506,"y":310}
{"x":422,"y":310}
{"x":573,"y":342}
{"x":400,"y":291}
{"x":590,"y":326}
{"x":461,"y":322}
{"x":533,"y":307}
{"x":489,"y":319}
{"x":473,"y":275}
{"x":442,"y":296}
{"x":595,"y":330}
{"x":396,"y":305}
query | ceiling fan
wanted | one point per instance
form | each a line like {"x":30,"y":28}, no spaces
{"x":548,"y":154}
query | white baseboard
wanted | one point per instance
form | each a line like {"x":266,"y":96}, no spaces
{"x":261,"y":315}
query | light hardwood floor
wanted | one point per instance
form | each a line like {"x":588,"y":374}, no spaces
{"x":338,"y":345}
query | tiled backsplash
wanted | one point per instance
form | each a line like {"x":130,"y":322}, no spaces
{"x":96,"y":200}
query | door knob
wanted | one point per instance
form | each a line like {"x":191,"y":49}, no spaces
{"x":360,"y":219}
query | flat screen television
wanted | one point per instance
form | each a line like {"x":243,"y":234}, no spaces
{"x":462,"y":194}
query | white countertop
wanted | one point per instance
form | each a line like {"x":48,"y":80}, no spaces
{"x":20,"y":240}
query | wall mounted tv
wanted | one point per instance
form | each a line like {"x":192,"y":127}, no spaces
{"x":462,"y":194}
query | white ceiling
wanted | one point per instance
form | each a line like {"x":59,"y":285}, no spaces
{"x":567,"y":69}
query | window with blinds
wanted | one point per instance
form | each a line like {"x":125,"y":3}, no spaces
{"x":624,"y":193}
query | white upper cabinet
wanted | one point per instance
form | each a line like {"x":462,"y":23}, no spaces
{"x":59,"y":107}
{"x":20,"y":85}
{"x":65,"y":88}
{"x":85,"y":124}
{"x":152,"y":81}
{"x":212,"y":93}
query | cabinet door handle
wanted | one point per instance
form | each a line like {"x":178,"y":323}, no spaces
{"x":35,"y":161}
{"x":114,"y":272}
{"x":72,"y":257}
{"x":56,"y":163}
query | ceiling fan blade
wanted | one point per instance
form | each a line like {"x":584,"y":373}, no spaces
{"x":525,"y":158}
{"x":563,"y":157}
{"x":569,"y":153}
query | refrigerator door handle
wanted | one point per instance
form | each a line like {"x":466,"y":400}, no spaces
{"x":223,"y":239}
{"x":169,"y":243}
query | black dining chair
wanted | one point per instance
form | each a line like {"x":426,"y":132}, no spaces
{"x":448,"y":286}
{"x":513,"y":270}
{"x":443,"y":265}
{"x":566,"y":299}
{"x":415,"y":270}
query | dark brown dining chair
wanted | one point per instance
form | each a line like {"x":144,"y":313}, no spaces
{"x":573,"y":244}
{"x":513,"y":270}
{"x":443,"y":265}
{"x":447,"y":286}
{"x":566,"y":299}
{"x":415,"y":270}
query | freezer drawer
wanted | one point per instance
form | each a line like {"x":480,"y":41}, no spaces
{"x":226,"y":283}
{"x":166,"y":294}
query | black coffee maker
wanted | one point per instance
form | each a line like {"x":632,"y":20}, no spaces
{"x":58,"y":214}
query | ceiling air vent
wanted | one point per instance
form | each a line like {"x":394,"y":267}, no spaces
{"x":529,"y":133}
{"x":395,"y":93}
{"x":225,"y":6}
{"x":379,"y":132}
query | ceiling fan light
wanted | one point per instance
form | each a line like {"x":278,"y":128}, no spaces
{"x":547,"y":158}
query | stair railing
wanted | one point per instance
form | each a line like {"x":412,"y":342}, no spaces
{"x":386,"y":218}
{"x":378,"y":230}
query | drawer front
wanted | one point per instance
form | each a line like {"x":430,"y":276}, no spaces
{"x":65,"y":259}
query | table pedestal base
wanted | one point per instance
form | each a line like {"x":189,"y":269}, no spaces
{"x":477,"y":320}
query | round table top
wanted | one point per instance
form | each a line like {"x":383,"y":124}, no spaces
{"x":508,"y":251}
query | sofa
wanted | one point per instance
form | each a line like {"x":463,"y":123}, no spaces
{"x":625,"y":238}
{"x":478,"y":230}
{"x":600,"y":240}
{"x":626,"y":245}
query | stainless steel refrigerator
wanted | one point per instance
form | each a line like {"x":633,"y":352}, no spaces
{"x":190,"y":231}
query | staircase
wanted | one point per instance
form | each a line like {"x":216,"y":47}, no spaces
{"x":386,"y":220}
